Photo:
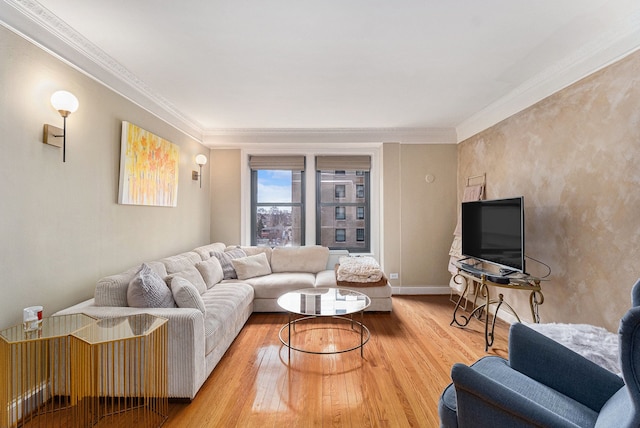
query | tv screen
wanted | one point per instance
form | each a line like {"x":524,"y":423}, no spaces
{"x":493,"y":231}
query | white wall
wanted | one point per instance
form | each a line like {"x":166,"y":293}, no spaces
{"x":61,"y":228}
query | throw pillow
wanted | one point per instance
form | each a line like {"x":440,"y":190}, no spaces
{"x":252,"y":266}
{"x":225,"y":261}
{"x":211,"y":271}
{"x":192,"y":275}
{"x":148,"y":290}
{"x":186,"y":294}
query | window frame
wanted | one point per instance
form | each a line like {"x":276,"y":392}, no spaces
{"x":255,"y":204}
{"x":358,"y":202}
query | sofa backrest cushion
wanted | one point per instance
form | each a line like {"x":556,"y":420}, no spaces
{"x":148,"y":290}
{"x":211,"y":271}
{"x":253,"y":250}
{"x":311,"y":259}
{"x":191,"y":274}
{"x":179,"y":262}
{"x":112,"y":290}
{"x":251,"y":266}
{"x":186,"y":294}
{"x":205,"y":251}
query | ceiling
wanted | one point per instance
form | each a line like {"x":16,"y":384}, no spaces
{"x":403,"y":70}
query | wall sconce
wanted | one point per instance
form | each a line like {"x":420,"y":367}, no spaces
{"x":195,"y":175}
{"x":66,"y":103}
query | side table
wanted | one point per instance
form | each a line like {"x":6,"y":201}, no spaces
{"x":121,"y":374}
{"x":35,"y":381}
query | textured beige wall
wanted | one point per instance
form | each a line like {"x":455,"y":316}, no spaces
{"x":225,"y":195}
{"x":60,"y":225}
{"x":574,"y":156}
{"x":428,"y":212}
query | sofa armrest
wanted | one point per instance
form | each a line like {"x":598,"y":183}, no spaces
{"x":185,"y":344}
{"x":560,"y":368}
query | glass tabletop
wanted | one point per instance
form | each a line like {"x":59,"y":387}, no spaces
{"x":52,"y":327}
{"x":112,"y":329}
{"x":324,"y":301}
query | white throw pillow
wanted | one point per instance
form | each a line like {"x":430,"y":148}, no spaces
{"x":252,"y":266}
{"x":148,"y":290}
{"x":186,"y":294}
{"x":211,"y":271}
{"x":192,"y":275}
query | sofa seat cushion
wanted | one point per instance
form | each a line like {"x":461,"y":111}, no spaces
{"x":299,"y":259}
{"x":326,"y":278}
{"x":224,"y":305}
{"x":275,"y":285}
{"x":381,"y":292}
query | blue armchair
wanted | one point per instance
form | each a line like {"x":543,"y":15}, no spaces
{"x":544,"y":384}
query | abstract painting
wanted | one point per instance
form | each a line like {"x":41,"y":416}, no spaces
{"x":148,"y":168}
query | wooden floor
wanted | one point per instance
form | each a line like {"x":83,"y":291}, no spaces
{"x":397,"y":383}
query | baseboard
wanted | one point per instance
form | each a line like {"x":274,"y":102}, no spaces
{"x":421,"y":290}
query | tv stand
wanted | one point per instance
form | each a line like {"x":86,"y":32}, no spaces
{"x":483,"y":281}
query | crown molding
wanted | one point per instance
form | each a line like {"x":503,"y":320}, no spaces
{"x":238,"y":137}
{"x":35,"y":23}
{"x":596,"y":55}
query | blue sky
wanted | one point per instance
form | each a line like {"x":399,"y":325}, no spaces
{"x":274,"y":186}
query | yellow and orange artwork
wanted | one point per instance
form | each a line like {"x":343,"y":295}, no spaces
{"x":148,"y":168}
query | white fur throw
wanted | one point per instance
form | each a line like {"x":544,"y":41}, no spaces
{"x":594,"y":343}
{"x":359,"y":269}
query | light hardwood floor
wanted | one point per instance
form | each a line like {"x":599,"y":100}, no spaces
{"x":397,"y":383}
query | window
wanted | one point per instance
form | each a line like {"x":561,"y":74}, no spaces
{"x":277,"y":200}
{"x":343,"y":223}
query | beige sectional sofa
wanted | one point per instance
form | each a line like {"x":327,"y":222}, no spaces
{"x":211,"y":306}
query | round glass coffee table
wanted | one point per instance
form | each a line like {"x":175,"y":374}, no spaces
{"x":335,"y":303}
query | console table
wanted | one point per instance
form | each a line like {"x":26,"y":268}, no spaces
{"x":480,"y":280}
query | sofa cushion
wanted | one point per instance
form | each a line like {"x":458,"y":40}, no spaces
{"x":112,"y":290}
{"x":179,"y":262}
{"x":192,"y":275}
{"x":225,"y":304}
{"x":148,"y":290}
{"x":275,"y":285}
{"x":253,"y":250}
{"x":186,"y":294}
{"x":211,"y":271}
{"x":299,"y":259}
{"x":205,"y":251}
{"x":225,"y":258}
{"x":251,"y":266}
{"x":326,"y":278}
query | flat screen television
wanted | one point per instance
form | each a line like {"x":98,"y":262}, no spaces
{"x":493,"y":231}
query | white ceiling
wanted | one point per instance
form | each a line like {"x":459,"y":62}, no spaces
{"x":434,"y":70}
